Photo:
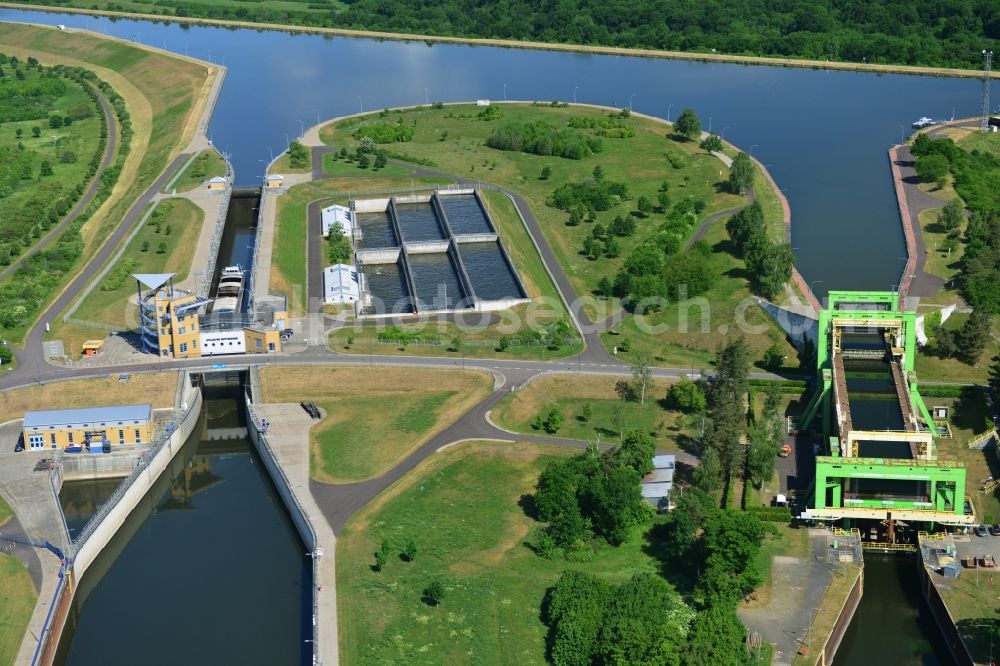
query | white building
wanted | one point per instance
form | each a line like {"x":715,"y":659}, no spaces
{"x":335,"y":214}
{"x":656,"y":485}
{"x":214,"y":343}
{"x":340,"y":284}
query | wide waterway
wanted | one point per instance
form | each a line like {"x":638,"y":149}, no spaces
{"x":822,"y":133}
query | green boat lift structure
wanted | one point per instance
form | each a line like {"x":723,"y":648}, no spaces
{"x":890,"y":473}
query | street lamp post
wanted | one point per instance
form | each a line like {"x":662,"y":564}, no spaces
{"x":317,"y":115}
{"x":710,"y":124}
{"x":427,"y":98}
{"x":505,"y":91}
{"x":901,"y":139}
{"x":288,"y":141}
{"x":361,"y":102}
{"x":751,"y":149}
{"x":574,"y":93}
{"x":270,"y":153}
{"x":724,"y":132}
{"x":302,"y":129}
{"x":630,"y":102}
{"x":669,"y":106}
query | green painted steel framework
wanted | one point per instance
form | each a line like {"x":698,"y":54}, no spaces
{"x":936,"y":488}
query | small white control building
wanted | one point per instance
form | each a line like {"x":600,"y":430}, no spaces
{"x":340,"y":284}
{"x":334,"y":214}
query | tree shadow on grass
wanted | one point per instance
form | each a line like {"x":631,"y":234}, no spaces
{"x":528,"y":506}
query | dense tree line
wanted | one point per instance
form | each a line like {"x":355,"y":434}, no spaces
{"x":918,"y":32}
{"x":542,"y":138}
{"x":977,"y":180}
{"x":385,"y":132}
{"x":768,"y":262}
{"x":593,"y":497}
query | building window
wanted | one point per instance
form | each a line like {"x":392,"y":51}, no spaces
{"x":121,"y":436}
{"x":138,"y":437}
{"x":184,"y":347}
{"x":36,"y":441}
{"x":166,"y":352}
{"x":70,"y":435}
{"x":270,"y":346}
{"x":52,"y":438}
{"x":257,"y":343}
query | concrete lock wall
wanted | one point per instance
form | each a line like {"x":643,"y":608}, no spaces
{"x":259,"y":440}
{"x":476,"y":238}
{"x":378,"y":256}
{"x":371,"y":205}
{"x":412,"y":198}
{"x":109,"y":526}
{"x":427,"y":247}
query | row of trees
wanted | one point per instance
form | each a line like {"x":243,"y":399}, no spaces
{"x":977,"y":181}
{"x":768,"y":262}
{"x":542,"y":138}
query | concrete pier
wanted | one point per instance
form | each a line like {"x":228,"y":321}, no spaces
{"x":287,"y":437}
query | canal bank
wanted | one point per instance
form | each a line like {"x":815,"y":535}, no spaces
{"x":219,"y":501}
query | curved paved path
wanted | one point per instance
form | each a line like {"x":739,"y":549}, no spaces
{"x":95,"y":183}
{"x":922,"y":283}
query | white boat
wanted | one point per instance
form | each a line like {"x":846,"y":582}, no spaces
{"x":924,"y":121}
{"x":229,"y":293}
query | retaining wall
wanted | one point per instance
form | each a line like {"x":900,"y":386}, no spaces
{"x":109,"y":525}
{"x":378,"y":205}
{"x":476,"y":238}
{"x":427,"y":247}
{"x":378,"y":256}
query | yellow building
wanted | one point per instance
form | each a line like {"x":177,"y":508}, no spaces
{"x":274,"y":180}
{"x":169,"y":316}
{"x":217,"y":183}
{"x":91,"y":426}
{"x":262,"y":340}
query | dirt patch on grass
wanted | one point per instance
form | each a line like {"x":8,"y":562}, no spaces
{"x":158,"y":389}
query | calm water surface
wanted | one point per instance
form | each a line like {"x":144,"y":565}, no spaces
{"x":823,"y":134}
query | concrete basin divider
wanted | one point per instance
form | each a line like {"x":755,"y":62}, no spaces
{"x":404,"y":261}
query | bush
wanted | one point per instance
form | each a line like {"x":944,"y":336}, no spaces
{"x":542,"y":138}
{"x":385,"y":132}
{"x":771,"y":514}
{"x":596,"y":195}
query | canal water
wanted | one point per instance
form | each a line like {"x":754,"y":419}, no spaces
{"x":490,"y":274}
{"x":376,"y":230}
{"x":237,"y":244}
{"x":387,"y":285}
{"x":419,"y":222}
{"x":209,"y":570}
{"x":464,"y":215}
{"x":436,"y":280}
{"x":822,"y":134}
{"x":892,"y":624}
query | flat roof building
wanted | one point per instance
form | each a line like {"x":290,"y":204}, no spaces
{"x":338,"y":214}
{"x":656,"y":485}
{"x":340,"y":284}
{"x":78,"y":429}
{"x":217,"y":183}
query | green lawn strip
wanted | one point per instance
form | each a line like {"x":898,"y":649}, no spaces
{"x":729,"y":311}
{"x":572,"y":397}
{"x":112,"y":306}
{"x":344,"y":452}
{"x":17,"y":601}
{"x":169,"y":84}
{"x":774,"y":213}
{"x":206,"y":166}
{"x":288,"y":258}
{"x":640,"y":161}
{"x":283,"y":165}
{"x":975,"y":140}
{"x":333,"y":165}
{"x":6,"y":513}
{"x":461,"y":509}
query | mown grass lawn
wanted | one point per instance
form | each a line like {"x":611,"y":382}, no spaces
{"x":206,"y":166}
{"x":461,"y":509}
{"x":334,"y":165}
{"x":952,"y":370}
{"x":373,"y":417}
{"x":17,"y":601}
{"x":110,"y":304}
{"x":156,"y":388}
{"x":453,"y":139}
{"x":570,"y":395}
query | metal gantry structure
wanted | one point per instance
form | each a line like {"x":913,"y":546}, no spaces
{"x":879,"y":458}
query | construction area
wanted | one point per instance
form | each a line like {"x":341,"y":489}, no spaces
{"x":878,"y":461}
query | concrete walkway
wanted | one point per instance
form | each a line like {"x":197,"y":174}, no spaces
{"x":798,"y":585}
{"x":912,"y":202}
{"x":210,"y":202}
{"x":288,"y":434}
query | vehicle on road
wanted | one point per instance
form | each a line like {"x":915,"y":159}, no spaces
{"x":785,"y":451}
{"x":981,"y":530}
{"x":19,"y":446}
{"x":994,"y":530}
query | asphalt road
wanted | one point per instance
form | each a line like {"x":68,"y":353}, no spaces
{"x":109,"y":153}
{"x":923,"y":283}
{"x":33,"y":352}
